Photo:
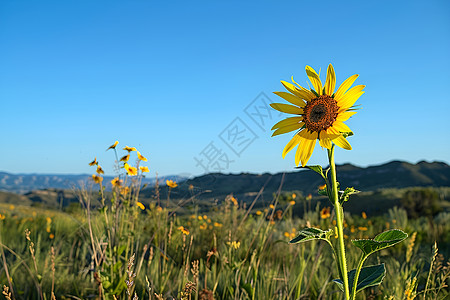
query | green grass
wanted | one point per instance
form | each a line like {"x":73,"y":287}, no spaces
{"x":264,"y":266}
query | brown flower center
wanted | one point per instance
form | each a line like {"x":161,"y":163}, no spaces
{"x":320,"y":113}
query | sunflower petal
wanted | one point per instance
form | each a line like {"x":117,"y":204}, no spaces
{"x":308,"y":149}
{"x":331,"y":81}
{"x":287,"y":121}
{"x":350,"y":97}
{"x":286,"y":108}
{"x":315,"y":80}
{"x":299,"y":152}
{"x":291,"y":98}
{"x":342,"y":117}
{"x":341,"y":127}
{"x":345,"y":86}
{"x":324,"y":140}
{"x":308,"y":135}
{"x":291,"y":145}
{"x":302,"y":93}
{"x":342,"y":142}
{"x":288,"y":128}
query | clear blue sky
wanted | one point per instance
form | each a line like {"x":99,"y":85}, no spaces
{"x":171,"y":77}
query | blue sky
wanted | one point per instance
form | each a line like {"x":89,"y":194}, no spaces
{"x":174,"y":79}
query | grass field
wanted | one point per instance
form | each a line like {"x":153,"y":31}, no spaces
{"x":229,"y":250}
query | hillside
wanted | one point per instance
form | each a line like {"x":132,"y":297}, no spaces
{"x":395,"y":174}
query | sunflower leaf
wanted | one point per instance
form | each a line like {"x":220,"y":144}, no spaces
{"x":383,"y":240}
{"x":318,"y":169}
{"x":310,"y":233}
{"x":369,"y":276}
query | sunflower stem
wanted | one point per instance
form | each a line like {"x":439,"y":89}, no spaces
{"x":339,"y":222}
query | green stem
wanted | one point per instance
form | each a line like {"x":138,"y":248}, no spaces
{"x":339,"y":222}
{"x":355,"y":280}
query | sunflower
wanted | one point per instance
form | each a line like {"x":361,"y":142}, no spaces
{"x":319,"y":113}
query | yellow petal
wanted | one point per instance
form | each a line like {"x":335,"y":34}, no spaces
{"x":308,"y":148}
{"x":287,"y":121}
{"x":350,"y":98}
{"x":286,"y":108}
{"x":331,"y":81}
{"x":333,"y":131}
{"x":288,"y":128}
{"x":306,"y":94}
{"x":315,"y":80}
{"x":302,"y":93}
{"x":308,"y":135}
{"x":345,"y":86}
{"x":342,"y":117}
{"x":299,"y":152}
{"x":342,"y":142}
{"x":291,"y":98}
{"x":341,"y":127}
{"x":324,"y":140}
{"x":291,"y":145}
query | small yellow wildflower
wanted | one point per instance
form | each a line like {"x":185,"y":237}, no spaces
{"x":100,"y":170}
{"x":352,"y":229}
{"x":11,"y":207}
{"x":294,"y":196}
{"x":51,"y":236}
{"x":2,"y":217}
{"x":49,"y":220}
{"x":286,"y":234}
{"x":271,"y":206}
{"x":125,"y":158}
{"x":144,"y":169}
{"x":322,"y":187}
{"x":97,"y":179}
{"x":217,"y":224}
{"x":205,"y":217}
{"x":235,"y":202}
{"x":116,"y":182}
{"x":159,"y":208}
{"x":172,"y":184}
{"x":292,"y":202}
{"x":124,"y":190}
{"x":364,"y":216}
{"x":234,"y":244}
{"x":94,"y":162}
{"x":193,"y":217}
{"x":325,"y":213}
{"x":258,"y":212}
{"x":129,"y":149}
{"x":113,"y":146}
{"x":309,"y":197}
{"x":203,"y":226}
{"x":131,"y":171}
{"x":362,"y":228}
{"x":183,"y":230}
{"x":208,"y":220}
{"x":140,"y":205}
{"x":200,"y":218}
{"x":140,"y":156}
{"x":191,"y":187}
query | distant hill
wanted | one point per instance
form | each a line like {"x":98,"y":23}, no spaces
{"x":23,"y":183}
{"x":245,"y":186}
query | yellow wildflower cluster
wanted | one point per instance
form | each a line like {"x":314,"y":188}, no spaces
{"x":183,"y":230}
{"x":234,"y":244}
{"x":325,"y":213}
{"x":291,"y":234}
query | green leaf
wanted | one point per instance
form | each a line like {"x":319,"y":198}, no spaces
{"x":381,"y":241}
{"x":309,"y":234}
{"x":346,"y":194}
{"x":318,"y":169}
{"x":369,"y":276}
{"x":248,"y":288}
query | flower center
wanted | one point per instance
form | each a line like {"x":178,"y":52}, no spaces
{"x":320,"y":113}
